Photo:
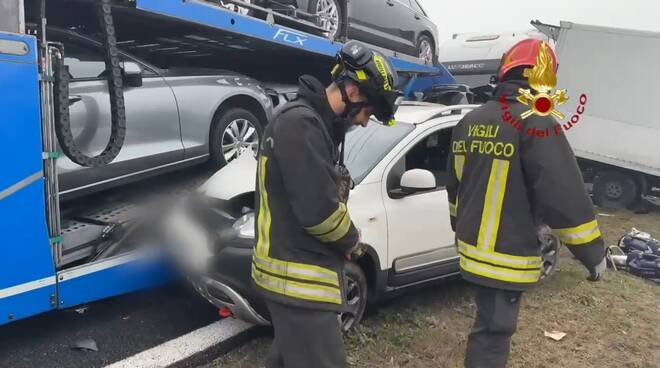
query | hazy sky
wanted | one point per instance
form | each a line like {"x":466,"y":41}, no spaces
{"x":507,"y":15}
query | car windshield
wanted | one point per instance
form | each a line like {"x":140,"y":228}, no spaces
{"x":365,"y":147}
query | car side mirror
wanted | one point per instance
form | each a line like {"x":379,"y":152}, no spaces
{"x":132,"y":74}
{"x":414,"y":181}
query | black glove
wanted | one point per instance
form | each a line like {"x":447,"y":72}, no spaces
{"x":357,"y":252}
{"x":345,"y":183}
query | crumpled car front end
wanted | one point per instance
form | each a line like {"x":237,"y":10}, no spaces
{"x":211,"y":237}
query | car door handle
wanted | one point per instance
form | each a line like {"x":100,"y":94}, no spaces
{"x":417,"y":17}
{"x":390,"y":2}
{"x":74,"y":98}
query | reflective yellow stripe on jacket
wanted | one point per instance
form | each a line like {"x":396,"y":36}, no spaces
{"x":299,"y":271}
{"x":500,"y":273}
{"x":335,"y":227}
{"x":498,"y":259}
{"x":499,"y":266}
{"x":264,"y":220}
{"x":459,"y":164}
{"x":295,"y":280}
{"x":579,"y":235}
{"x":492,"y":212}
{"x":296,"y":289}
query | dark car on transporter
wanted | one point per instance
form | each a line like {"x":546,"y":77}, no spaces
{"x":398,"y":25}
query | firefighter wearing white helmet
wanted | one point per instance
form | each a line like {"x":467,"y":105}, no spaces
{"x":305,"y":236}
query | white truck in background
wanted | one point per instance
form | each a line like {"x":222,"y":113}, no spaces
{"x":617,"y":138}
{"x":616,"y":73}
{"x":472,"y":58}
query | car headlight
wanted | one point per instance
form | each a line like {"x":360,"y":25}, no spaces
{"x":244,"y":226}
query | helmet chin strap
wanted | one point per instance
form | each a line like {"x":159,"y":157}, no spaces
{"x":351,"y":110}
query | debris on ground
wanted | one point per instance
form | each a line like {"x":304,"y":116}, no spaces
{"x":555,"y":335}
{"x":85,"y":345}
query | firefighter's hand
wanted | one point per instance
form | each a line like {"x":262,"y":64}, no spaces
{"x":596,"y":273}
{"x":355,"y":253}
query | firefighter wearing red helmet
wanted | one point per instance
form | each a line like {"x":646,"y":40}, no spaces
{"x":504,"y":185}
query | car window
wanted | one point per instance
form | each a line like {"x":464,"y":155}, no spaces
{"x":431,"y":153}
{"x":418,"y":8}
{"x":86,"y":61}
{"x":366,"y":147}
{"x":83,"y":62}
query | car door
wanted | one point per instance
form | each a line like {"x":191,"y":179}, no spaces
{"x":380,"y":22}
{"x":420,"y":238}
{"x":153,"y":134}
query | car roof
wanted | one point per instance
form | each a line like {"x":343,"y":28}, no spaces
{"x":418,"y":113}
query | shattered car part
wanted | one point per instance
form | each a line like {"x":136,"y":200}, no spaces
{"x":85,"y":345}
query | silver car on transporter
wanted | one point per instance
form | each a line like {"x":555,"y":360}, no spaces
{"x":174,"y":118}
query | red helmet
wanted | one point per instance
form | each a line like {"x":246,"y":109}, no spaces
{"x":524,"y":53}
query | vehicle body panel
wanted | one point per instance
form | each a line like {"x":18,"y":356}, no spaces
{"x":617,"y":127}
{"x":410,"y":237}
{"x":168,"y":118}
{"x":28,"y":283}
{"x":430,"y":232}
{"x":199,"y":99}
{"x":153,"y":136}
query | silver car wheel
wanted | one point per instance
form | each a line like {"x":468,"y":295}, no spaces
{"x":353,"y":300}
{"x":239,"y":137}
{"x":328,"y":14}
{"x":426,"y":51}
{"x":550,"y":245}
{"x":235,"y":8}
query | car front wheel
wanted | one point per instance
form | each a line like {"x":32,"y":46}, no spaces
{"x":235,"y":133}
{"x":356,"y":297}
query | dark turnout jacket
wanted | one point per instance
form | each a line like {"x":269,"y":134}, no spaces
{"x":303,"y":229}
{"x":510,"y":175}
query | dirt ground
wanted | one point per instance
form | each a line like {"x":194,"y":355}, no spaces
{"x":613,"y":323}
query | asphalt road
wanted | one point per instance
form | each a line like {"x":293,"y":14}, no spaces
{"x":121,"y":327}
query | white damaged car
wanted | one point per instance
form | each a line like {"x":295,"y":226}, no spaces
{"x":399,"y":203}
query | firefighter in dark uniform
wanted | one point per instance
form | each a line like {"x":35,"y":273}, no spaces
{"x":504,"y":184}
{"x":304,"y":231}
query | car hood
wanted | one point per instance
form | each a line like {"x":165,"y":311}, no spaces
{"x":238,"y":177}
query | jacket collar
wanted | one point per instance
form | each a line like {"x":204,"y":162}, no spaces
{"x":510,"y":89}
{"x":313,"y":91}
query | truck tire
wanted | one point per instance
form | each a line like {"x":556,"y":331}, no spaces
{"x":356,"y":296}
{"x":614,"y":189}
{"x":234,"y":133}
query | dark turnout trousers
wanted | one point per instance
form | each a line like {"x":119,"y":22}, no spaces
{"x":305,"y":338}
{"x":489,"y":342}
